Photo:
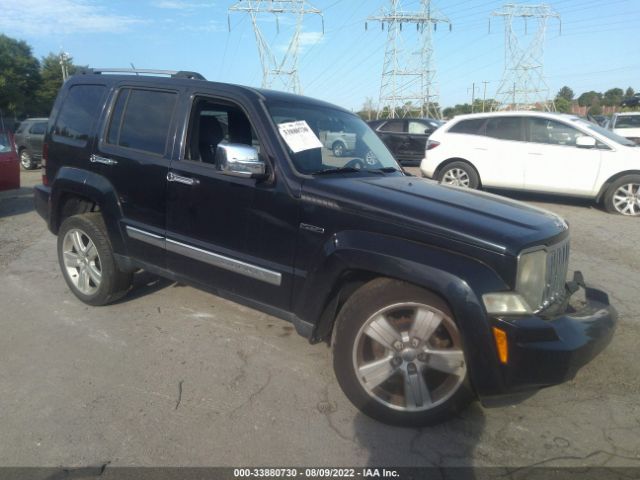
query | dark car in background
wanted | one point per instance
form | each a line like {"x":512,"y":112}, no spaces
{"x":631,"y":101}
{"x":405,"y":137}
{"x":29,"y":139}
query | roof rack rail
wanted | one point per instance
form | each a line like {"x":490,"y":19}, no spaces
{"x":144,"y":71}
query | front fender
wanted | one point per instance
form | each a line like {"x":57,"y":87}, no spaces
{"x":460,"y":280}
{"x":94,"y":187}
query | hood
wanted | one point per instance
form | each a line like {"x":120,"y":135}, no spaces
{"x":477,"y":218}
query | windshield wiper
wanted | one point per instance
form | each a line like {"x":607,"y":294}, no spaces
{"x":384,"y":169}
{"x":336,"y":170}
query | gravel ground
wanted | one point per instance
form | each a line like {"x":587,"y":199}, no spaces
{"x":175,"y":376}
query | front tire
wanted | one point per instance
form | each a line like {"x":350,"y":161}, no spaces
{"x":339,"y":149}
{"x":623,"y":196}
{"x":87,"y":262}
{"x":460,"y":174}
{"x":398,"y":355}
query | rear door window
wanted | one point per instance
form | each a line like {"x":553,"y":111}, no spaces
{"x":78,"y":113}
{"x":505,"y":128}
{"x":393,"y":126}
{"x":469,"y":127}
{"x":141,"y":120}
{"x":38,"y":128}
{"x":418,"y":128}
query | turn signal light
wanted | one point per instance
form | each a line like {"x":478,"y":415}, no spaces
{"x":500,"y":336}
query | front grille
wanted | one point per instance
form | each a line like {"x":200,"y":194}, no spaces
{"x":557,"y":268}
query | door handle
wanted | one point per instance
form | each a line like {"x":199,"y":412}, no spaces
{"x":480,"y":148}
{"x":172,"y":177}
{"x":105,"y":161}
{"x":535,"y":153}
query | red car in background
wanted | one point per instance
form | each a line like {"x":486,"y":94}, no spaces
{"x":9,"y":164}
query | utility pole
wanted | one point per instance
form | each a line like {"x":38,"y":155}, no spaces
{"x":524,"y":61}
{"x":473,"y":94}
{"x":484,"y":94}
{"x":64,"y":65}
{"x":284,"y":70}
{"x":408,"y":72}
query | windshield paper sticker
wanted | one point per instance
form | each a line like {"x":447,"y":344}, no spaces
{"x":299,"y":136}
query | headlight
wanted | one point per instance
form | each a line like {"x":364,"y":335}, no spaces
{"x":529,"y":291}
{"x":531,"y":279}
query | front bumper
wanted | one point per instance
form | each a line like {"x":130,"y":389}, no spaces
{"x":548,"y":351}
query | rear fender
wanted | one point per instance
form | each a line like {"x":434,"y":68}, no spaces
{"x":93,"y":187}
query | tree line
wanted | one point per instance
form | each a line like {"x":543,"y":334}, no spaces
{"x":564,"y":102}
{"x":594,"y":101}
{"x":28,"y":86}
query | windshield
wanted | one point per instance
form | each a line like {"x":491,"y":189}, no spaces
{"x":5,"y":144}
{"x":627,"y":121}
{"x":335,"y":140}
{"x":606,"y":133}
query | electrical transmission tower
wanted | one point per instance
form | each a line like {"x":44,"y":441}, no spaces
{"x":408,"y":73}
{"x":278,"y":72}
{"x":523,"y":84}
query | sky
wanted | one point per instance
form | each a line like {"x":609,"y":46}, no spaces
{"x":597,"y":47}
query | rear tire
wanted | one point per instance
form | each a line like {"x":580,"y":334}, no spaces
{"x":398,"y":355}
{"x":623,"y":196}
{"x":460,"y":174}
{"x":87,"y":262}
{"x":25,"y":160}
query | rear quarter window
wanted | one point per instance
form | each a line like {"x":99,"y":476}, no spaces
{"x":78,"y":114}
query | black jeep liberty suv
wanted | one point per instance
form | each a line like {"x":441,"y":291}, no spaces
{"x":429,"y":295}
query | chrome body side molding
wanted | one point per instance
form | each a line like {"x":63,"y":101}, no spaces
{"x":237,"y":266}
{"x":220,"y":261}
{"x":147,"y":237}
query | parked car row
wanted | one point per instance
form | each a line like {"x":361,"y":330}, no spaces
{"x":540,"y":152}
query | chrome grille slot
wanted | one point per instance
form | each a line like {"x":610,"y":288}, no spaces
{"x":557,"y":268}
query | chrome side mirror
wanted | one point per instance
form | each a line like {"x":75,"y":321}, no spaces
{"x":585,"y":141}
{"x":239,"y":160}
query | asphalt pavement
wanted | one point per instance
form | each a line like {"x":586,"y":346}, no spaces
{"x":173,"y":376}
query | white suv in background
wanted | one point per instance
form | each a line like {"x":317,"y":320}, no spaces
{"x":536,"y":151}
{"x":626,"y":124}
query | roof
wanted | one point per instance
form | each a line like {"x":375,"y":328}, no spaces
{"x":510,"y":113}
{"x":257,"y":93}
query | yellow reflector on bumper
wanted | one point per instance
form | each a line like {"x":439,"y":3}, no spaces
{"x":500,"y":337}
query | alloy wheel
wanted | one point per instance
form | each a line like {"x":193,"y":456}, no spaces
{"x":409,"y":357}
{"x":81,"y":261}
{"x":25,"y":160}
{"x":626,"y":199}
{"x":457,"y":177}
